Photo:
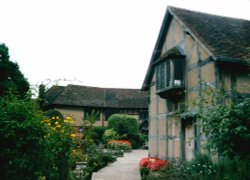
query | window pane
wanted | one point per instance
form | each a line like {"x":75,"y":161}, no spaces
{"x":178,"y":71}
{"x":163,"y":75}
{"x":163,"y":72}
{"x":158,"y":77}
{"x":168,"y":72}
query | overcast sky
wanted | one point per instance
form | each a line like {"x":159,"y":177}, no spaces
{"x":102,"y":43}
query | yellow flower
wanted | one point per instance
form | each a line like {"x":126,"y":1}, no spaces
{"x":69,"y":120}
{"x":58,"y":126}
{"x":73,"y":135}
{"x":57,"y":117}
{"x":53,"y":117}
{"x":56,"y":122}
{"x":49,"y":124}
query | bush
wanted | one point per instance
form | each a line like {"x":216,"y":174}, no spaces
{"x":22,"y":147}
{"x":144,"y":141}
{"x":97,"y":133}
{"x":110,"y":135}
{"x":60,"y":142}
{"x":228,"y":128}
{"x":53,"y":113}
{"x":99,"y":160}
{"x":123,"y":124}
{"x":127,"y":128}
{"x":235,"y":168}
{"x":120,"y":145}
{"x":33,"y":146}
{"x":135,"y":139}
{"x":202,"y":168}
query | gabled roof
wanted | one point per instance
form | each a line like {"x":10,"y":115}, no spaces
{"x":224,"y":38}
{"x":86,"y":96}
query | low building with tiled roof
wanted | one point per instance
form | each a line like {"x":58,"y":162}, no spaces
{"x":192,"y":47}
{"x":76,"y":101}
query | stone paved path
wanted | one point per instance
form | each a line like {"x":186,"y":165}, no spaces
{"x":125,"y":168}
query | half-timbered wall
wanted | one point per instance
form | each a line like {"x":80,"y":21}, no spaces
{"x":167,"y":135}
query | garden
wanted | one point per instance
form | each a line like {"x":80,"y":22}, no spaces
{"x":102,"y":145}
{"x":44,"y":145}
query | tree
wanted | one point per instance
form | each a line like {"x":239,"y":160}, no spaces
{"x":11,"y":78}
{"x":127,"y":128}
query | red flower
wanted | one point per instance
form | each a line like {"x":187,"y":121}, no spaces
{"x":152,"y":163}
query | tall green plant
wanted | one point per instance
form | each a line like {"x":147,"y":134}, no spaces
{"x":224,"y":120}
{"x":32,"y":145}
{"x":11,"y":78}
{"x":228,"y":128}
{"x":22,"y":147}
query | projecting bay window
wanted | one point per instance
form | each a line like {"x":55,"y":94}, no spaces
{"x":169,"y":78}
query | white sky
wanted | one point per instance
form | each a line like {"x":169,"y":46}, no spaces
{"x":103,"y":43}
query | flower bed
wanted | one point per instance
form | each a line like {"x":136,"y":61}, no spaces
{"x":152,"y":164}
{"x":124,"y":145}
{"x":148,"y":165}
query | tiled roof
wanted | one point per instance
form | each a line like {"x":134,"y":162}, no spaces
{"x":74,"y":95}
{"x":225,"y":37}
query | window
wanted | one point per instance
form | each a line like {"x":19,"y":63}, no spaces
{"x":90,"y":113}
{"x":169,"y":73}
{"x":143,"y":114}
{"x":110,"y":112}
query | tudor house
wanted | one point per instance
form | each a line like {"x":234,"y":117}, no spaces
{"x":192,"y":47}
{"x":79,"y":101}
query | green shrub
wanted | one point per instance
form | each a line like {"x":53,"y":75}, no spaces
{"x":60,"y":142}
{"x":173,"y":170}
{"x":97,"y":133}
{"x":99,"y":160}
{"x":22,"y":147}
{"x":123,"y":124}
{"x":32,"y":144}
{"x":135,"y":139}
{"x":225,"y":119}
{"x":202,"y":168}
{"x":110,"y":135}
{"x":144,"y":140}
{"x":53,"y":113}
{"x":235,"y":168}
{"x":120,"y":145}
{"x":144,"y":173}
{"x":127,"y":128}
